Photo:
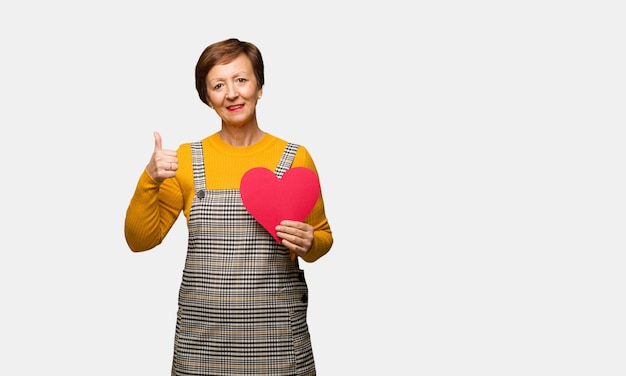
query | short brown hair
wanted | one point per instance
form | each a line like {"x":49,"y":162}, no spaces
{"x":223,"y":53}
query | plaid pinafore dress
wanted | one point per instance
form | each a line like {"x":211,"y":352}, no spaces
{"x":243,"y":301}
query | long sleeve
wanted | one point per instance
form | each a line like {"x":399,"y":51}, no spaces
{"x":152,"y":212}
{"x":322,"y":242}
{"x":322,"y":234}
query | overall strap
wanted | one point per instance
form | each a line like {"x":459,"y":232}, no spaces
{"x":283,"y":165}
{"x":287,"y":158}
{"x":197,"y":160}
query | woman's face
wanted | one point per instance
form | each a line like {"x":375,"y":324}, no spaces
{"x":232,"y":90}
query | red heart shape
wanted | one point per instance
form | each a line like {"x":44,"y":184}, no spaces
{"x":270,"y":199}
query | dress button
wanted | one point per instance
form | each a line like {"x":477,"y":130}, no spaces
{"x":200,"y":194}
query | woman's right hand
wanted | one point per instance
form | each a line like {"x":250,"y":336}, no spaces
{"x":163,"y":163}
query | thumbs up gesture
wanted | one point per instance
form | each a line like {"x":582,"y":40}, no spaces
{"x":163,"y":163}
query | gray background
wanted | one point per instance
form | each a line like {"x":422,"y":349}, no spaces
{"x":470,"y":153}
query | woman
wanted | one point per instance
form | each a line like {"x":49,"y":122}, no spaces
{"x":243,"y":297}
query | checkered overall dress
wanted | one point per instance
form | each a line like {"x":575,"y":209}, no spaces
{"x":243,"y":300}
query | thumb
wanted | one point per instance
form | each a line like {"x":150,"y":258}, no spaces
{"x":157,"y":141}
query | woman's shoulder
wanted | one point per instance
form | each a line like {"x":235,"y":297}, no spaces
{"x":282,"y":143}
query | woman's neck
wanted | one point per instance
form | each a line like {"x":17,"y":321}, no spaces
{"x":241,"y":137}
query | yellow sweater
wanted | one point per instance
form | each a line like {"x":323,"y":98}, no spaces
{"x":155,"y":206}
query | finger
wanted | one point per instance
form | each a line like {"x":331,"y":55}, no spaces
{"x":303,"y":226}
{"x":157,"y":141}
{"x":290,"y":223}
{"x":293,"y":247}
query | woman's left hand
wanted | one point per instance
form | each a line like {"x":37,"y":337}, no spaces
{"x":296,"y":236}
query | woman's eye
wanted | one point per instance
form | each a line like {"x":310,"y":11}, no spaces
{"x":241,"y":79}
{"x":217,"y":86}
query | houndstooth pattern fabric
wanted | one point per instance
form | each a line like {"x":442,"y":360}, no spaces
{"x":242,"y":301}
{"x":286,"y":159}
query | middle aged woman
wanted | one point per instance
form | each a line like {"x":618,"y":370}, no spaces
{"x":243,"y":298}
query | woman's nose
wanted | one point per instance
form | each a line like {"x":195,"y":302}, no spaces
{"x":231,"y":93}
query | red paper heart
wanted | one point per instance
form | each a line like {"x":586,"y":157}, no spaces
{"x":270,"y":200}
